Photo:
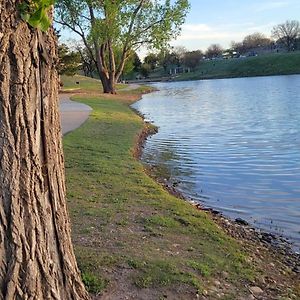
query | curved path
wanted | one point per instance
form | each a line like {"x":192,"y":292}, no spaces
{"x":72,"y":114}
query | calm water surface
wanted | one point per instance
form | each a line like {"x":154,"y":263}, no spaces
{"x":232,"y":144}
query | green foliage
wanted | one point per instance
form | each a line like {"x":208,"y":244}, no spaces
{"x":145,"y":70}
{"x":114,"y":29}
{"x":69,"y":61}
{"x":35,"y":13}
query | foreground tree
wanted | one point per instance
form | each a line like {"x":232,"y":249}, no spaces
{"x":37,"y":259}
{"x":287,"y":33}
{"x":125,"y":25}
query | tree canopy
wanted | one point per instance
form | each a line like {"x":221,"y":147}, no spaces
{"x":107,"y":27}
{"x":287,"y":33}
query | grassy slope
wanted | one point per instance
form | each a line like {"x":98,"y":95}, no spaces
{"x":84,"y":84}
{"x":272,"y":64}
{"x":131,"y":237}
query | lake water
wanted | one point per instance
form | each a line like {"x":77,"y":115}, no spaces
{"x":233,"y":145}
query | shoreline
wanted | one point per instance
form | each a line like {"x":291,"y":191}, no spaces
{"x":239,"y":229}
{"x":132,"y":238}
{"x":175,"y":79}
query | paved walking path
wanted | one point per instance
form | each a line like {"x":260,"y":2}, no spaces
{"x":73,"y":114}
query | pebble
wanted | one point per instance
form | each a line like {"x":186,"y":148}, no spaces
{"x":255,"y":290}
{"x":241,"y":221}
{"x":217,"y":283}
{"x":297,"y":269}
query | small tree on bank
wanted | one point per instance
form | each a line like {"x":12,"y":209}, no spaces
{"x":120,"y":26}
{"x":37,"y":259}
{"x":287,"y":33}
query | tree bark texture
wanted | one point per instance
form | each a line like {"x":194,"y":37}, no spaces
{"x":36,"y":254}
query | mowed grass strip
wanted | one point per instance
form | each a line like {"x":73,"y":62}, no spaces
{"x":129,"y":233}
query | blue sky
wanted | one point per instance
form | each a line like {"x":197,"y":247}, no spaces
{"x":218,"y":21}
{"x":223,"y":21}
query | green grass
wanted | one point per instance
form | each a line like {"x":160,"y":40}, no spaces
{"x":82,"y":83}
{"x":264,"y":65}
{"x":123,"y":220}
{"x":128,"y":231}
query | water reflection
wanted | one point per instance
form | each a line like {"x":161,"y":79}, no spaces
{"x":233,"y":144}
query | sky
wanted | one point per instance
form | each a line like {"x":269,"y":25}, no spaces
{"x":223,"y":21}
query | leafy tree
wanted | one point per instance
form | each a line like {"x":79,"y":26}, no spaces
{"x":287,"y":33}
{"x":87,"y":62}
{"x":121,"y":24}
{"x":214,"y":51}
{"x":167,"y":59}
{"x":136,"y":62}
{"x":69,"y":61}
{"x":37,"y":259}
{"x":152,"y":60}
{"x":145,"y":70}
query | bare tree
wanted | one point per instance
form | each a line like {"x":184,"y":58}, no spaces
{"x":287,"y":33}
{"x":192,"y":59}
{"x":256,"y":40}
{"x":214,"y":51}
{"x":36,"y":253}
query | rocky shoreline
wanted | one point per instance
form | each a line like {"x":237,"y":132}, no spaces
{"x":260,"y":242}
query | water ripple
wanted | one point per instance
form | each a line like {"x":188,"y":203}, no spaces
{"x":232,"y":144}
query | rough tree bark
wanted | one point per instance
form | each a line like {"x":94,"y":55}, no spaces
{"x":36,"y":254}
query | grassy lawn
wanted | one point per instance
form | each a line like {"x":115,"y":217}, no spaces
{"x":79,"y":83}
{"x":132,"y":238}
{"x":271,"y":64}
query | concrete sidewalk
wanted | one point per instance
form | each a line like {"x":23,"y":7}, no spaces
{"x":72,"y":114}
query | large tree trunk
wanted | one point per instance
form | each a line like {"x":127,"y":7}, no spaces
{"x":36,"y":254}
{"x":108,"y":83}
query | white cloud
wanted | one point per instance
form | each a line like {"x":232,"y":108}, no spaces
{"x":200,"y":36}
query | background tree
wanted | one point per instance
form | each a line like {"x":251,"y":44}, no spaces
{"x":152,"y":60}
{"x":125,"y":25}
{"x":87,"y":63}
{"x":287,"y":33}
{"x":37,"y":259}
{"x":136,"y":62}
{"x":69,"y":61}
{"x":192,"y":59}
{"x":145,"y":70}
{"x":214,"y":51}
{"x":238,"y":47}
{"x":167,"y":59}
{"x":179,"y":52}
{"x":256,"y":40}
